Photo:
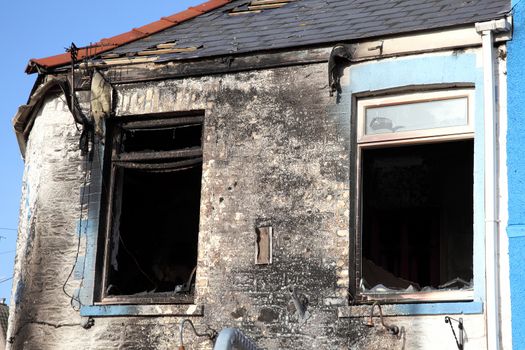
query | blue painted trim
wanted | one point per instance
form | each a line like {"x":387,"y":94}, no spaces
{"x":110,"y":310}
{"x":516,"y":231}
{"x":434,"y":69}
{"x":141,"y":310}
{"x":81,"y":226}
{"x":90,"y":228}
{"x":443,"y":308}
{"x":473,"y":307}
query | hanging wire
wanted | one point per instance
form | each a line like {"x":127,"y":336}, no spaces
{"x":73,"y":52}
{"x":513,"y":7}
{"x":12,"y":339}
{"x":84,"y":233}
{"x":6,"y":279}
{"x":123,"y":244}
{"x":79,"y":234}
{"x":7,"y":252}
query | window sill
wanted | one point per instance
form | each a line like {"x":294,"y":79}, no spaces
{"x":148,"y":299}
{"x":141,"y":310}
{"x":445,"y":296}
{"x":441,"y":308}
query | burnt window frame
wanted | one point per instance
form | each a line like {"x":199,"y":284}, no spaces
{"x":112,"y":160}
{"x":360,"y":141}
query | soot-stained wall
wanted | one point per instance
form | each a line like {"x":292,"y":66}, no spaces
{"x":276,"y":153}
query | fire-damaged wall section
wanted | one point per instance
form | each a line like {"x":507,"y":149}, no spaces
{"x":276,"y":153}
{"x":273,"y":155}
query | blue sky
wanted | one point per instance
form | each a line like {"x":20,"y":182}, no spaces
{"x":39,"y":29}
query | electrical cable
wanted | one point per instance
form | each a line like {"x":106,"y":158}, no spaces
{"x":516,"y":4}
{"x":11,"y":340}
{"x":6,"y":279}
{"x":123,"y":244}
{"x":85,"y":229}
{"x":7,"y":252}
{"x":79,"y":233}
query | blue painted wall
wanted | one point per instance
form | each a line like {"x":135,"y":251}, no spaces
{"x":516,"y":172}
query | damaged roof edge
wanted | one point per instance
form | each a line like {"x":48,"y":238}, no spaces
{"x":24,"y":117}
{"x":35,"y":65}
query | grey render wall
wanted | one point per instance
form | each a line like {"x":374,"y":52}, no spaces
{"x":276,"y":152}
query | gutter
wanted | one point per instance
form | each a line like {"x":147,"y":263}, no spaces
{"x":487,"y":30}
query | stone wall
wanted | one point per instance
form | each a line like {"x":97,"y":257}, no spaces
{"x":276,"y":152}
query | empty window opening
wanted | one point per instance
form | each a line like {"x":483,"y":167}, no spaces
{"x":153,"y":226}
{"x":417,"y":217}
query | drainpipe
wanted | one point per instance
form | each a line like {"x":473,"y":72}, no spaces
{"x":487,"y":30}
{"x":232,"y":338}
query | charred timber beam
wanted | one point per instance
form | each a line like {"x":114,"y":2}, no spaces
{"x":184,"y":164}
{"x":163,"y":123}
{"x":143,"y":156}
{"x":123,"y":74}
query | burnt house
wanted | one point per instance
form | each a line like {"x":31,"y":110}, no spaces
{"x":315,"y":174}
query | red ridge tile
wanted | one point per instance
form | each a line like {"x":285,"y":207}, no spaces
{"x":210,"y":5}
{"x":185,"y":15}
{"x":155,"y":27}
{"x":107,"y":44}
{"x":169,"y":20}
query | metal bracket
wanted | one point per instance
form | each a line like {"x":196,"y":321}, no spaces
{"x":461,"y":341}
{"x":210,"y":333}
{"x":391,"y":328}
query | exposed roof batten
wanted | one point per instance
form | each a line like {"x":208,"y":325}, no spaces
{"x":108,"y":44}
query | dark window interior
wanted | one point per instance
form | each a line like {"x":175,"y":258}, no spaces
{"x":159,"y":225}
{"x":155,"y":214}
{"x":417,"y":215}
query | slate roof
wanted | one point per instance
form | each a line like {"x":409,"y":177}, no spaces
{"x":311,"y":22}
{"x":215,"y":32}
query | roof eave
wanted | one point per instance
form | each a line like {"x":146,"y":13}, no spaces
{"x":44,"y":64}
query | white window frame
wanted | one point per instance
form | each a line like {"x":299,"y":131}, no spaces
{"x":454,"y":131}
{"x":412,"y":137}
